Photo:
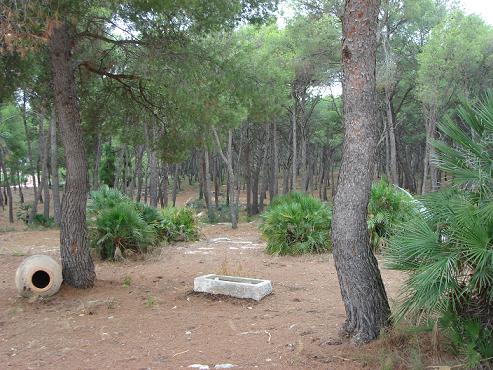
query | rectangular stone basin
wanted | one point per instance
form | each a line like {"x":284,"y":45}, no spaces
{"x":233,"y":286}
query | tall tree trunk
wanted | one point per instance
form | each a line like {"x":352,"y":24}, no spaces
{"x":38,"y":173}
{"x":165,"y":186}
{"x":248,"y":176}
{"x":46,"y":174}
{"x":293,"y":136}
{"x":394,"y":174}
{"x":429,"y":151}
{"x":7,"y":187}
{"x":217,"y":178}
{"x":1,"y":197}
{"x":21,"y":194}
{"x":175,"y":184}
{"x":153,"y":178}
{"x":97,"y":162}
{"x":41,"y":185}
{"x":206,"y":182}
{"x":133,"y":178}
{"x":228,"y":161}
{"x":77,"y":265}
{"x":387,"y":146}
{"x":362,"y":289}
{"x":275,"y":163}
{"x":118,"y":169}
{"x":304,"y":164}
{"x":55,"y":183}
{"x":29,"y":145}
{"x":138,"y":170}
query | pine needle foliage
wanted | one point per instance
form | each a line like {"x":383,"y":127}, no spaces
{"x":448,"y":248}
{"x":297,"y":223}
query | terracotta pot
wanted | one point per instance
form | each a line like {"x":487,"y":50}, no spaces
{"x":38,"y":275}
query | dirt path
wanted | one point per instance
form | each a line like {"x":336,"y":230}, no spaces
{"x":143,"y":314}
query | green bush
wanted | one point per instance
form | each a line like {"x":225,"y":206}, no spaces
{"x":117,"y":221}
{"x":121,"y":226}
{"x":297,"y":223}
{"x":103,"y":199}
{"x":388,"y":206}
{"x":41,"y":220}
{"x":447,"y":248}
{"x":178,"y":224}
{"x":23,"y":212}
{"x":151,"y":215}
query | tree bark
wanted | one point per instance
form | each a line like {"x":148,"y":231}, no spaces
{"x":77,"y":265}
{"x":21,"y":194}
{"x":46,"y":174}
{"x":206,"y":182}
{"x":29,"y":145}
{"x":41,"y":184}
{"x":138,"y":170}
{"x":228,"y":161}
{"x":7,"y":187}
{"x":153,"y":178}
{"x":55,"y":183}
{"x":362,"y":289}
{"x":216,"y":180}
{"x":431,"y":122}
{"x":248,"y":175}
{"x":165,"y":186}
{"x":294,"y":129}
{"x":275,"y":163}
{"x":175,"y":183}
{"x":97,"y":162}
{"x":394,"y":174}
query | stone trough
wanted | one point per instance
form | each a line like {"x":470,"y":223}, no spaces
{"x":233,"y":286}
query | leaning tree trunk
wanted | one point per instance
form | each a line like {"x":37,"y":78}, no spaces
{"x":55,"y":184}
{"x":394,"y":174}
{"x":362,"y":289}
{"x":428,"y":166}
{"x":77,"y":265}
{"x":228,"y":161}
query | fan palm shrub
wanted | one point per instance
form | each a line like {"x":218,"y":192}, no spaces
{"x":448,"y":249}
{"x":387,"y":207}
{"x":123,"y":227}
{"x":103,"y":199}
{"x":150,"y":215}
{"x":178,"y":224}
{"x":297,"y":223}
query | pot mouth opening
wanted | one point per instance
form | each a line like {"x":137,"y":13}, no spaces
{"x":41,"y":280}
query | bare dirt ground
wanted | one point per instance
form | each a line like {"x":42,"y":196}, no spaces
{"x":143,"y":314}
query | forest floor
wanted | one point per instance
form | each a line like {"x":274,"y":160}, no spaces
{"x":144,"y":314}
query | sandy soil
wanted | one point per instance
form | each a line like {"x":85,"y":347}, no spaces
{"x":143,"y":314}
